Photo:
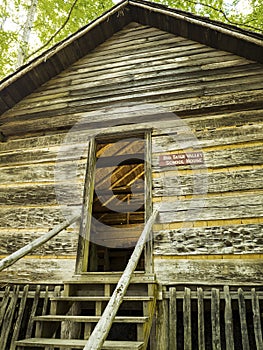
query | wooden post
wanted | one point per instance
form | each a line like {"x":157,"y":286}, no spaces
{"x":187,"y":319}
{"x":215,"y":318}
{"x":201,"y":320}
{"x":256,"y":319}
{"x":84,"y":233}
{"x":148,"y":199}
{"x":243,"y":319}
{"x":45,"y":304}
{"x":162,"y":325}
{"x":11,"y":259}
{"x":102,"y":328}
{"x":33,"y":313}
{"x":228,"y":320}
{"x":19,"y":317}
{"x":173,"y":320}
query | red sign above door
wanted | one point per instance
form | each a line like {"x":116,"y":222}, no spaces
{"x":177,"y":159}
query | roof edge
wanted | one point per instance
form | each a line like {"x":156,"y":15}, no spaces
{"x":194,"y":18}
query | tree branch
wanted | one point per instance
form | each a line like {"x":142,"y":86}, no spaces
{"x":57,"y":32}
{"x":224,"y":15}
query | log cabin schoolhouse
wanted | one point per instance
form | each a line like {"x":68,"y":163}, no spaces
{"x":131,"y":187}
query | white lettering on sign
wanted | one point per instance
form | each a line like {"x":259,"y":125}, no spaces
{"x":181,"y":159}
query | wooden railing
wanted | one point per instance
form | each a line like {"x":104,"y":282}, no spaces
{"x":102,"y":328}
{"x":11,"y":259}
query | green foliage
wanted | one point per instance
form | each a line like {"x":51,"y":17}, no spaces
{"x":247,"y":14}
{"x":55,"y":20}
{"x":51,"y":16}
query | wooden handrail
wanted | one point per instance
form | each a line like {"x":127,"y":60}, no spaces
{"x":11,"y":259}
{"x":102,"y":328}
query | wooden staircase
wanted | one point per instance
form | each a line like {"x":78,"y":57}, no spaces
{"x":75,"y":311}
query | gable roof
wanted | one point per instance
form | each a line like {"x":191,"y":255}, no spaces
{"x":50,"y":63}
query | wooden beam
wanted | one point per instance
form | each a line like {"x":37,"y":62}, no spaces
{"x":228,"y":320}
{"x":201,"y":319}
{"x":243,"y":319}
{"x":83,"y":244}
{"x":187,"y":319}
{"x":173,"y":320}
{"x":148,"y":254}
{"x":256,"y":319}
{"x":215,"y":317}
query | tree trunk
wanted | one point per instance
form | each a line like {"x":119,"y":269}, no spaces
{"x":23,"y":47}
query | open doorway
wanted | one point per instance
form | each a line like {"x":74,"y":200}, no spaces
{"x":118,"y":203}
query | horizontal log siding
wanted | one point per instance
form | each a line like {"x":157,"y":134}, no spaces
{"x":219,"y":96}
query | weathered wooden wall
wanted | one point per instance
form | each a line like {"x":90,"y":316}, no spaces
{"x":148,"y":78}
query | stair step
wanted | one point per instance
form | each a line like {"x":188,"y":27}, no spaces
{"x":118,"y":319}
{"x":78,"y":344}
{"x":112,"y":277}
{"x":101,"y":298}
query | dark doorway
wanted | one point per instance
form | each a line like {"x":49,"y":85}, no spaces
{"x":118,"y":207}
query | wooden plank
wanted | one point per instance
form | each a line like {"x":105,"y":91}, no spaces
{"x":46,"y":301}
{"x":168,"y":185}
{"x":162,"y":325}
{"x":78,"y":344}
{"x":38,"y":194}
{"x":4,"y":304}
{"x":187,"y":319}
{"x":243,"y":319}
{"x":208,"y":239}
{"x":43,"y":155}
{"x":201,"y":320}
{"x":215,"y":319}
{"x":39,"y":174}
{"x":213,"y":208}
{"x":84,"y":234}
{"x":229,"y":333}
{"x":256,"y":319}
{"x":173,"y":320}
{"x":148,"y":199}
{"x":93,"y":319}
{"x":33,"y":311}
{"x":165,"y":140}
{"x":207,"y":271}
{"x":8,"y":318}
{"x":18,"y":323}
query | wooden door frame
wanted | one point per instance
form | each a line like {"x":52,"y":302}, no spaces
{"x":86,"y":217}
